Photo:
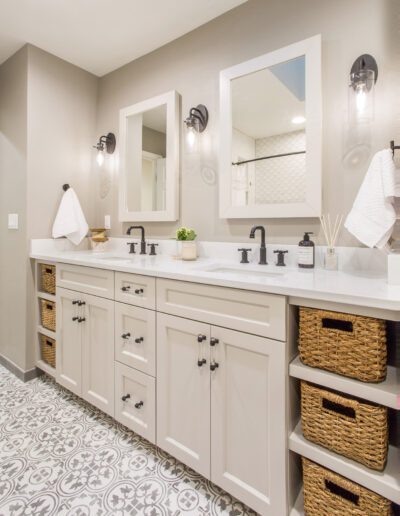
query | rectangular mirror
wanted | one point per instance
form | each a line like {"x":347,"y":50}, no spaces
{"x":149,"y":160}
{"x":270,"y":123}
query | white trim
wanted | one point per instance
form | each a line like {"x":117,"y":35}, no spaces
{"x":311,"y":48}
{"x":171,"y":212}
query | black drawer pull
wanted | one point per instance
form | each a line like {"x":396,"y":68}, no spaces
{"x":139,"y":291}
{"x":201,"y":362}
{"x":201,"y":337}
{"x":333,"y":406}
{"x":139,"y":340}
{"x":213,"y":341}
{"x":125,"y":335}
{"x":49,"y":307}
{"x":49,"y":271}
{"x":49,"y":343}
{"x":81,"y":303}
{"x":342,"y":492}
{"x":337,"y":324}
{"x":125,"y":289}
{"x":214,"y":366}
{"x":81,"y":319}
{"x":75,"y":318}
{"x":126,"y":397}
{"x":139,"y":404}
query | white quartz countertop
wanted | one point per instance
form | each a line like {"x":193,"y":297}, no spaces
{"x":367,"y":289}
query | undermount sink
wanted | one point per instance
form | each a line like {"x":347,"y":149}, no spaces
{"x":115,"y":258}
{"x":242,"y":270}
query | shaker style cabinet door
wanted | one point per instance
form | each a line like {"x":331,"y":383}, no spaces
{"x":69,"y":342}
{"x":183,"y":390}
{"x":98,"y":352}
{"x":248,"y":437}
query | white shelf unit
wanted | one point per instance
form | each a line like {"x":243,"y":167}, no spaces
{"x":41,"y":364}
{"x":298,"y":509}
{"x":386,"y":483}
{"x":386,"y":393}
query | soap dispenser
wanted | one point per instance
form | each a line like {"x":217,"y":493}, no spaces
{"x":306,"y":252}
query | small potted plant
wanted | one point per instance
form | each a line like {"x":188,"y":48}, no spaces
{"x":186,"y":237}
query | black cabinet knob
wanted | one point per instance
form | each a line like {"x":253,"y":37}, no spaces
{"x":126,"y":397}
{"x":81,"y":303}
{"x":139,"y":340}
{"x":201,"y":338}
{"x":139,"y":291}
{"x":213,"y":341}
{"x":139,"y":404}
{"x":201,"y":362}
{"x":214,"y":366}
{"x":125,"y":335}
{"x":75,"y":302}
{"x":81,"y":319}
{"x":126,"y":289}
{"x":75,"y":318}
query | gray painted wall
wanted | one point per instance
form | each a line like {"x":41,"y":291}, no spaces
{"x":191,"y":66}
{"x":47,"y":129}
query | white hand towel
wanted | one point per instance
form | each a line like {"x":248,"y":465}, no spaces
{"x":373,"y":215}
{"x":70,"y":220}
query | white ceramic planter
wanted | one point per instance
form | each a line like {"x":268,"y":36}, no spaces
{"x":189,"y":250}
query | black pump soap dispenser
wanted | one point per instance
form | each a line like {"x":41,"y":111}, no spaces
{"x":306,"y":252}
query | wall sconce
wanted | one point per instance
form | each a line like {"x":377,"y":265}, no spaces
{"x":108,"y":141}
{"x":196,"y":122}
{"x":363,"y":76}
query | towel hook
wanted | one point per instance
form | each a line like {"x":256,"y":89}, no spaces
{"x":65,"y":187}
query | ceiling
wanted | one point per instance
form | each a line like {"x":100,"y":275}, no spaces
{"x":100,"y":35}
{"x":264,"y":104}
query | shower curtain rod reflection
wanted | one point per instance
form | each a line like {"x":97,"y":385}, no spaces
{"x":268,"y":157}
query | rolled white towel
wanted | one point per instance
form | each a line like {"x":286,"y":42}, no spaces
{"x":70,"y":221}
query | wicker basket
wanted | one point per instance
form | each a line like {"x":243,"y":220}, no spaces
{"x":48,"y":314}
{"x":48,"y":278}
{"x":353,"y":428}
{"x":48,"y":350}
{"x":329,"y":494}
{"x":350,"y":345}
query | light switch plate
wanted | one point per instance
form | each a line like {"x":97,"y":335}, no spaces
{"x":107,"y":221}
{"x":13,"y":221}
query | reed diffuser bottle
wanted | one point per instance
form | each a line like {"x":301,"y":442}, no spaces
{"x":331,"y":233}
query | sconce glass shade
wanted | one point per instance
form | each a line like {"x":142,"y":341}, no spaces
{"x":192,"y":137}
{"x":362,"y":96}
{"x":195,"y":124}
{"x":100,"y":157}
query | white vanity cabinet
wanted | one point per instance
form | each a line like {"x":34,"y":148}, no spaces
{"x":221,"y":396}
{"x":85,"y":351}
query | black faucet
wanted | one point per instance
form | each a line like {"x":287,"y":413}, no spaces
{"x":263,"y":249}
{"x":143,"y":241}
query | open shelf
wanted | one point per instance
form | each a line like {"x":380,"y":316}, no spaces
{"x":298,"y":509}
{"x":46,"y":368}
{"x":46,"y":332}
{"x":386,"y":393}
{"x":45,"y":295}
{"x":386,"y":483}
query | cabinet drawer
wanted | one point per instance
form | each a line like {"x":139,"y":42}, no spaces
{"x":137,"y":410}
{"x":89,"y":280}
{"x":135,"y":337}
{"x":251,"y":312}
{"x":135,"y":289}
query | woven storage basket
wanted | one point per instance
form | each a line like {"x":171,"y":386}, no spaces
{"x":350,"y":345}
{"x":48,"y":278}
{"x":48,"y":314}
{"x":48,"y":350}
{"x":329,"y":494}
{"x":353,"y":428}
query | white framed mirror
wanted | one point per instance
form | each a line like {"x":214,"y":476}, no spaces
{"x":149,"y":159}
{"x":270,"y":134}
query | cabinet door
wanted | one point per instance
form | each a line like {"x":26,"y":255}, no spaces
{"x":135,"y":401}
{"x":98,"y":353}
{"x":69,"y":344}
{"x":135,"y":337}
{"x":248,"y":437}
{"x":183,"y":391}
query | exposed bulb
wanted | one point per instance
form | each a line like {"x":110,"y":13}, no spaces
{"x":100,"y":158}
{"x":191,"y":137}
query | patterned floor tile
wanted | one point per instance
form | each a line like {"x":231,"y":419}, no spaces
{"x":61,"y":456}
